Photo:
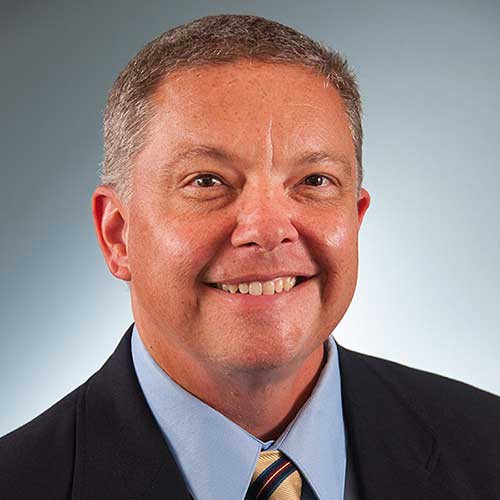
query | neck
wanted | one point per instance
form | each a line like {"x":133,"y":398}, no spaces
{"x":265,"y":403}
{"x":261,"y":402}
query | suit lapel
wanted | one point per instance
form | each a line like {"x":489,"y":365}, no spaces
{"x":121,"y":453}
{"x":394,"y":451}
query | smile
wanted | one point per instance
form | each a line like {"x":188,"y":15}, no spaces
{"x":256,"y":288}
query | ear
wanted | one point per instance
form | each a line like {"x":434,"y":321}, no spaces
{"x":363,"y":204}
{"x":111,"y":226}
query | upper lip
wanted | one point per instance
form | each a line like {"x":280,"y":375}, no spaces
{"x":248,"y":278}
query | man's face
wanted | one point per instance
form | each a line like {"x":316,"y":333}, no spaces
{"x":248,"y":175}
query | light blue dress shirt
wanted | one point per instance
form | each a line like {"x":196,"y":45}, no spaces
{"x":217,"y":457}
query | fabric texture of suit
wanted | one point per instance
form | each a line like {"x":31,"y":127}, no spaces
{"x":412,"y":435}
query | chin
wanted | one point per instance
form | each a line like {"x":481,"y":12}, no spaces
{"x":254,"y":363}
{"x":265,"y":356}
{"x":248,"y":345}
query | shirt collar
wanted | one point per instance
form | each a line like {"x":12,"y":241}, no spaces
{"x":217,"y":457}
{"x":315,"y":440}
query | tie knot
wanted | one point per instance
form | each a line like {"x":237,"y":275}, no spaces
{"x":275,"y":478}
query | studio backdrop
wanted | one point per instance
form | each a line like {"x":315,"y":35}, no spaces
{"x":428,"y":285}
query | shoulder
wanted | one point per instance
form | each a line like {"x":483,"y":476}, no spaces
{"x":36,"y":460}
{"x":446,"y":400}
{"x":463,"y":419}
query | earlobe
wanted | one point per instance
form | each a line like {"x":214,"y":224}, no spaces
{"x":363,"y":204}
{"x":110,"y":222}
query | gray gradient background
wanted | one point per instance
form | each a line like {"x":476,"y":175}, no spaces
{"x":428,"y":288}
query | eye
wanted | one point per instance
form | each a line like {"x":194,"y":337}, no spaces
{"x":316,"y":180}
{"x":207,"y":180}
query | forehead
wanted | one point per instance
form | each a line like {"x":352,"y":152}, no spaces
{"x":249,"y":107}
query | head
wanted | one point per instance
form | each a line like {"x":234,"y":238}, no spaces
{"x":233,"y":157}
{"x":211,"y":41}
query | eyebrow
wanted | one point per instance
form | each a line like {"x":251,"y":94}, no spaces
{"x":220,"y":154}
{"x":200,"y":151}
{"x":320,"y":156}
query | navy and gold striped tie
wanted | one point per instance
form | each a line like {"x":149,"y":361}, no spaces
{"x":275,"y":478}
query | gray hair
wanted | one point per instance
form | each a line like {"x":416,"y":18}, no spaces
{"x":207,"y":41}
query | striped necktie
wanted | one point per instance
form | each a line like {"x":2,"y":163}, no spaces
{"x":275,"y":478}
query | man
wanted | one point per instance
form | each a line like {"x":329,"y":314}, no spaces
{"x":231,"y":204}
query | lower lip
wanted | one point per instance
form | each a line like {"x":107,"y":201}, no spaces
{"x":246,"y":301}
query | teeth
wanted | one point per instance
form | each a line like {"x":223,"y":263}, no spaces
{"x":268,"y":288}
{"x":289,"y":284}
{"x":255,"y":288}
{"x":262,"y":288}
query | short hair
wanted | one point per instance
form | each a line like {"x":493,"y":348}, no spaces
{"x":211,"y":40}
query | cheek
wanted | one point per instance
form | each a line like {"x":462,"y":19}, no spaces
{"x":173,"y":254}
{"x":333,"y":243}
{"x":333,"y":238}
{"x":340,"y":244}
{"x":165,"y":261}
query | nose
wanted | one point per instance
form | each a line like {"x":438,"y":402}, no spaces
{"x":263,"y":221}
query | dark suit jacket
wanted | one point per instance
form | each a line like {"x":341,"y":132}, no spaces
{"x":412,"y":435}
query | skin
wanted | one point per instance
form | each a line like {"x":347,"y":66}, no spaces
{"x":260,"y":212}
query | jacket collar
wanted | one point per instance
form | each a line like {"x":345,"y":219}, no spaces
{"x":394,"y":449}
{"x":121,"y":453}
{"x":120,"y":450}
